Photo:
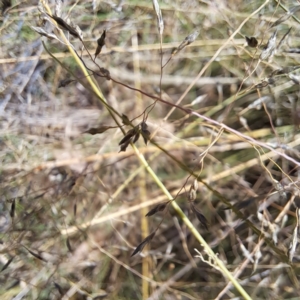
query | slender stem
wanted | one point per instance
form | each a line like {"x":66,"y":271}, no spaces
{"x":192,"y":228}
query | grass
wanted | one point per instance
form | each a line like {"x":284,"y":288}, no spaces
{"x":73,"y":206}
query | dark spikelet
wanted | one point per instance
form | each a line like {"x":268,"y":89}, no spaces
{"x":128,"y":136}
{"x":242,"y":204}
{"x":251,"y":41}
{"x":105,"y":73}
{"x":98,"y":130}
{"x":124,"y":146}
{"x":65,"y":82}
{"x":249,"y":205}
{"x":69,"y":245}
{"x":284,"y":70}
{"x":101,"y":40}
{"x":142,"y":245}
{"x":58,"y":287}
{"x":187,"y":41}
{"x":100,"y":43}
{"x":199,"y":216}
{"x":293,"y":50}
{"x":13,"y":207}
{"x":262,"y":85}
{"x":157,"y":208}
{"x":125,"y":120}
{"x":36,"y":255}
{"x":144,"y":125}
{"x":281,"y":19}
{"x":75,"y":209}
{"x":7,"y":264}
{"x":284,"y":37}
{"x":146,"y":135}
{"x":64,"y":25}
{"x":136,"y":137}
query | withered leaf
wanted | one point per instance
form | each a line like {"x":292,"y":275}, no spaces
{"x":65,"y":82}
{"x":64,"y":25}
{"x":192,"y":195}
{"x":251,"y":41}
{"x":58,"y":5}
{"x":157,"y":208}
{"x":142,"y":245}
{"x":191,"y":37}
{"x":7,"y":264}
{"x":195,"y":185}
{"x":294,"y":9}
{"x":187,"y":41}
{"x":286,"y":16}
{"x":199,"y":216}
{"x":100,"y":43}
{"x":97,"y":130}
{"x":42,"y":32}
{"x":270,"y":48}
{"x":160,"y":20}
{"x":79,"y":31}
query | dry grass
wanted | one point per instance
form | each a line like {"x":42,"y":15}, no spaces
{"x":72,"y":207}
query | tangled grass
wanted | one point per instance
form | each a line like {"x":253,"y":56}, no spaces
{"x":149,"y":150}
